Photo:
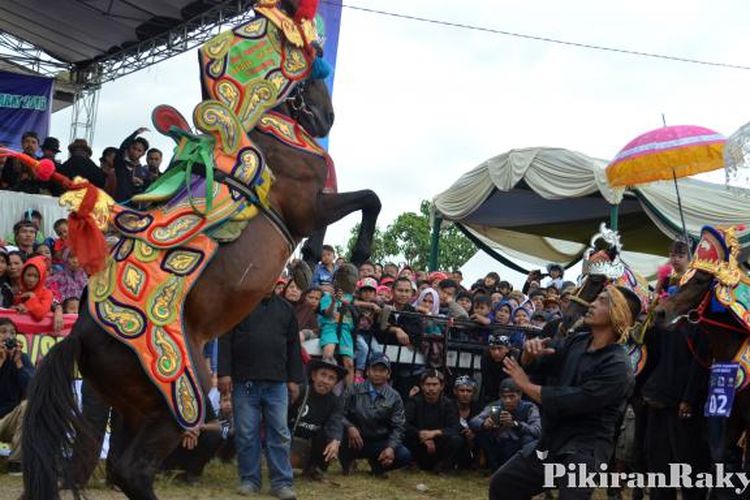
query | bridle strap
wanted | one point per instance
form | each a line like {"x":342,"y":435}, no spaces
{"x":249,"y":193}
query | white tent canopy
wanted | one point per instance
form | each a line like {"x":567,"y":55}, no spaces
{"x":543,"y":205}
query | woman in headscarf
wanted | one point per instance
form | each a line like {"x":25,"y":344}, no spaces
{"x":428,"y":302}
{"x":71,"y":280}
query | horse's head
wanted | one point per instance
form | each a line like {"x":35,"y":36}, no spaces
{"x":579,"y":303}
{"x":310,"y":105}
{"x":714,"y":264}
{"x":685,"y":301}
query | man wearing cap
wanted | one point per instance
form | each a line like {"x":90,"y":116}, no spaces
{"x":374,"y":421}
{"x":464,"y":389}
{"x":507,"y":425}
{"x":80,"y":165}
{"x":499,"y":346}
{"x":316,"y":419}
{"x":432,"y":428}
{"x":591,"y":379}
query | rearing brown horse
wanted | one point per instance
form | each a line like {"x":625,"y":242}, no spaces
{"x":239,"y":275}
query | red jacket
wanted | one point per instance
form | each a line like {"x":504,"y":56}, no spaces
{"x":41,"y":302}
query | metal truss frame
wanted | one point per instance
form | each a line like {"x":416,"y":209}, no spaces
{"x":88,"y":77}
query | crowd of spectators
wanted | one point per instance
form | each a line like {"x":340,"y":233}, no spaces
{"x":307,"y":376}
{"x":119,"y":172}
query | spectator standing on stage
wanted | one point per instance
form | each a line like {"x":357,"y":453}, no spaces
{"x":316,"y":419}
{"x":153,"y":162}
{"x":261,"y":366}
{"x":432,"y":427}
{"x":80,"y":165}
{"x":16,"y":176}
{"x":132,"y":177}
{"x":505,"y":426}
{"x":107,"y":166}
{"x":16,"y":371}
{"x":374,"y":421}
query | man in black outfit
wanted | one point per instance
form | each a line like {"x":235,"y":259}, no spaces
{"x":80,"y":164}
{"x":580,"y":409}
{"x":316,"y":419}
{"x":673,"y":396}
{"x":432,"y":428}
{"x":132,"y":177}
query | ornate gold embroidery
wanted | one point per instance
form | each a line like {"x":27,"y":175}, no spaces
{"x":133,"y":279}
{"x":214,"y":118}
{"x":73,"y":198}
{"x":145,"y":252}
{"x":228,"y":93}
{"x":186,"y":399}
{"x":182,"y":262}
{"x":253,"y":28}
{"x":176,"y":229}
{"x":249,"y":164}
{"x":125,"y":320}
{"x":260,"y":96}
{"x":162,"y":304}
{"x":168,"y":358}
{"x":102,"y":284}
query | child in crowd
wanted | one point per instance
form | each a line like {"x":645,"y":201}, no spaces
{"x":337,"y":319}
{"x":384,"y":293}
{"x":369,"y":310}
{"x":496,"y":298}
{"x":481,"y":316}
{"x":33,"y":298}
{"x":70,"y":305}
{"x":61,"y":243}
{"x":464,"y":300}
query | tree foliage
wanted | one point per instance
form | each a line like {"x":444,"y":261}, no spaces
{"x":407,"y":239}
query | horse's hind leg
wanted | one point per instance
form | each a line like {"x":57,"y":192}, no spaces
{"x":134,"y":472}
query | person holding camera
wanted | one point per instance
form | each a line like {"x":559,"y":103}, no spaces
{"x":505,"y":426}
{"x":16,"y":371}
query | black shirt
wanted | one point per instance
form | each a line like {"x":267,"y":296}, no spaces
{"x":264,"y":346}
{"x":13,"y":383}
{"x":84,"y":167}
{"x":318,"y":413}
{"x":424,"y":416}
{"x":586,"y":397}
{"x":410,"y":324}
{"x":125,"y":171}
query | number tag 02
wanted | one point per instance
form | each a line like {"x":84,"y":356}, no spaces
{"x":721,"y":388}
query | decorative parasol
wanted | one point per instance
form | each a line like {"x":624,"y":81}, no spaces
{"x":667,"y":153}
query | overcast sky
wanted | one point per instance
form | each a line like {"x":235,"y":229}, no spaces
{"x":417,"y":104}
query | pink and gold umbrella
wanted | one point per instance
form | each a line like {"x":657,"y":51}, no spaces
{"x":667,"y":153}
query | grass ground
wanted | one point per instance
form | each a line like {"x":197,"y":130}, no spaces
{"x":220,"y":481}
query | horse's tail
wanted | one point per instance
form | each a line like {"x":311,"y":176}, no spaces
{"x":53,"y":422}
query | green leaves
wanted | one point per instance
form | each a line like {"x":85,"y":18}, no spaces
{"x":407,"y":239}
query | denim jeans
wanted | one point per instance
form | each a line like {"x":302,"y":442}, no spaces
{"x":250,"y":401}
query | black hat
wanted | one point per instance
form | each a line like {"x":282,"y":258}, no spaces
{"x":380,"y":359}
{"x":51,"y":144}
{"x":328,"y":364}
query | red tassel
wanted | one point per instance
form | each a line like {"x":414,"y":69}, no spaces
{"x":86,"y":239}
{"x":306,"y":10}
{"x":44,"y":169}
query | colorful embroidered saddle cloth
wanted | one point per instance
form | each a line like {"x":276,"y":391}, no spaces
{"x":160,"y":253}
{"x":718,"y":254}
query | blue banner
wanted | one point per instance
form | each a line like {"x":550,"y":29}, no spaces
{"x":330,"y":12}
{"x":25,"y":104}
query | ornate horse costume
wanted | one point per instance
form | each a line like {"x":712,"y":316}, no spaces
{"x":205,"y":244}
{"x":715,"y":296}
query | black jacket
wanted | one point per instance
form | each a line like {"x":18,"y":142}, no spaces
{"x":13,"y":383}
{"x":125,"y":171}
{"x":264,"y":346}
{"x":585,"y":396}
{"x":84,"y":167}
{"x":381,"y":417}
{"x":422,"y":416}
{"x":410,"y":324}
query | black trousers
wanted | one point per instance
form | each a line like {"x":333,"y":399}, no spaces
{"x":193,"y":461}
{"x":670,"y":439}
{"x":447,"y":449}
{"x":522,"y":477}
